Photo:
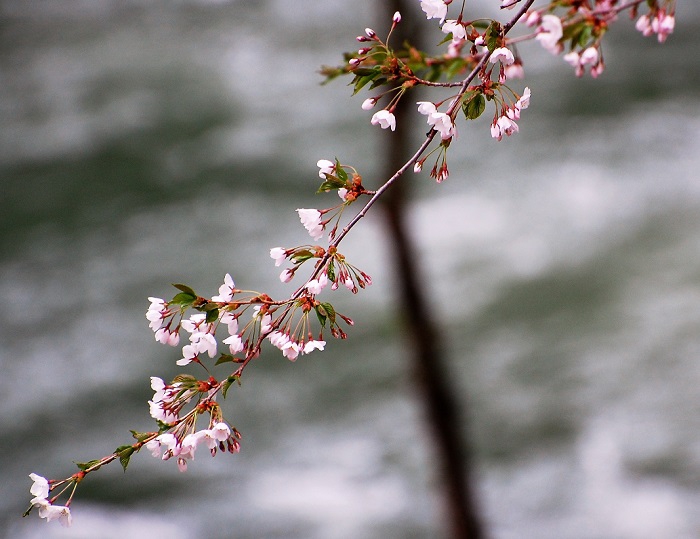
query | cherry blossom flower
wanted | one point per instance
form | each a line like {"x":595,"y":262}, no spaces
{"x":278,"y":254}
{"x":440,"y":121}
{"x":326,"y":167}
{"x":313,"y":345}
{"x":508,"y":4}
{"x":286,"y":276}
{"x":278,"y":339}
{"x":231,"y":322}
{"x":579,"y":60}
{"x":503,"y":55}
{"x":225,"y":290}
{"x":514,"y":70}
{"x":396,"y":18}
{"x":384,"y":119}
{"x":457,"y":29}
{"x":311,"y":219}
{"x":235,"y":343}
{"x":165,"y":336}
{"x":40,"y":486}
{"x":663,"y":25}
{"x":52,"y":512}
{"x":166,"y":439}
{"x":369,"y":103}
{"x":157,"y":311}
{"x":643,"y":25}
{"x":549,"y":33}
{"x":434,"y":9}
{"x":291,"y":350}
{"x":314,"y":286}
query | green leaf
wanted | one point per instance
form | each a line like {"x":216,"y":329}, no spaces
{"x":184,"y":299}
{"x":329,"y":311}
{"x":474,"y":107}
{"x":124,"y":452}
{"x":140,"y":436}
{"x":186,"y":289}
{"x":493,"y":33}
{"x":228,"y":383}
{"x":184,"y":379}
{"x":225,"y":358}
{"x":212,"y":316}
{"x":342,"y":175}
{"x":331,"y":184}
{"x":89,"y":464}
{"x":321,"y":314}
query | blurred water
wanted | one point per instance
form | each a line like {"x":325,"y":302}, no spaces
{"x":145,"y":143}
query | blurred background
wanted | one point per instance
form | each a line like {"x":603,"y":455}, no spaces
{"x":149,"y":142}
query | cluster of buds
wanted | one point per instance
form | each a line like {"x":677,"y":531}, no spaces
{"x":659,"y":21}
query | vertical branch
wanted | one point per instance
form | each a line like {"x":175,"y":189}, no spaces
{"x":424,"y":341}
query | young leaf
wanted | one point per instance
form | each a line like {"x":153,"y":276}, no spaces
{"x":186,"y":289}
{"x":474,"y":107}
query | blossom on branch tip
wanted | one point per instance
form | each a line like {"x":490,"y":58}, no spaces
{"x":457,"y":29}
{"x":369,"y":103}
{"x":384,"y":119}
{"x":286,"y":276}
{"x":311,"y":219}
{"x":503,"y":55}
{"x":225,"y":290}
{"x":40,"y":486}
{"x":549,"y":32}
{"x":434,"y":9}
{"x":235,"y":343}
{"x":313,"y":345}
{"x":325,"y":167}
{"x":278,"y":254}
{"x":314,"y":286}
{"x":51,"y":512}
{"x":440,"y":121}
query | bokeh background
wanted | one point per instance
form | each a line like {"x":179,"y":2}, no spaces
{"x":150,"y":142}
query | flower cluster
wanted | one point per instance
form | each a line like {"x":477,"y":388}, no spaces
{"x":174,"y":444}
{"x":659,"y":22}
{"x":40,"y":490}
{"x":505,"y":124}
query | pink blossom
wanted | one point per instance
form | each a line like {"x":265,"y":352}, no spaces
{"x":286,"y":276}
{"x":313,"y":345}
{"x":643,"y":25}
{"x":235,"y":343}
{"x":457,"y":29}
{"x":439,"y":120}
{"x":291,"y":350}
{"x":508,"y":4}
{"x":326,"y":167}
{"x":663,"y":25}
{"x":384,"y":119}
{"x":514,"y":71}
{"x":549,"y":33}
{"x":278,"y":254}
{"x":434,"y":9}
{"x":52,"y":512}
{"x":369,"y":103}
{"x":503,"y":55}
{"x":314,"y":286}
{"x":157,"y":311}
{"x":40,"y":486}
{"x":225,"y":290}
{"x":311,"y":219}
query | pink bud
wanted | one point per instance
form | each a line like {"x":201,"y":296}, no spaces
{"x":396,"y":18}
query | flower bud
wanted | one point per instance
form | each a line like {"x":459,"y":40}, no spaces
{"x":396,"y":18}
{"x":370,"y":33}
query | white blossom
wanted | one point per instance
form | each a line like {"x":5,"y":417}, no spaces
{"x":325,"y":167}
{"x":434,"y":9}
{"x":225,"y":290}
{"x":549,"y":33}
{"x":385,"y":120}
{"x":311,"y":219}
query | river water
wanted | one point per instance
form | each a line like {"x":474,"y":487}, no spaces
{"x":150,"y":142}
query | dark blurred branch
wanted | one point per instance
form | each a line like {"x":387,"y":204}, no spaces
{"x":440,"y":406}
